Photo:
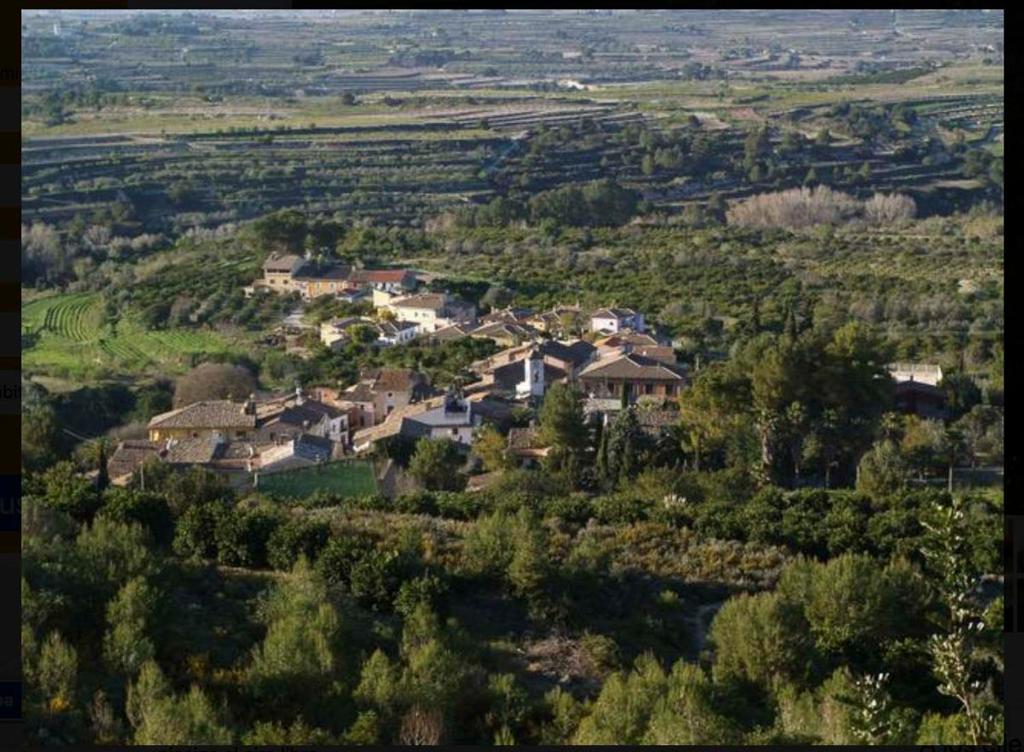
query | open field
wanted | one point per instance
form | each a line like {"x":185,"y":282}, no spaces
{"x":345,"y":478}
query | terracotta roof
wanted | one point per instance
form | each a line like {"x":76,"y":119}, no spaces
{"x":502,"y":328}
{"x":511,"y":315}
{"x":393,"y":424}
{"x":449,"y":333}
{"x":392,"y":379}
{"x":129,"y":455}
{"x":331,"y":271}
{"x":632,"y":366}
{"x":277,"y":263}
{"x":431,"y":300}
{"x":195,"y":451}
{"x":374,"y":276}
{"x":627,"y":337}
{"x":612,"y":313}
{"x":391,"y":328}
{"x":576,"y":352}
{"x":360,"y":392}
{"x":209,"y":414}
{"x":662,"y":353}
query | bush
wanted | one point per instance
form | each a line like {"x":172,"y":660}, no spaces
{"x":243,"y":537}
{"x":195,"y":533}
{"x":148,"y":509}
{"x":620,"y":509}
{"x":296,"y":538}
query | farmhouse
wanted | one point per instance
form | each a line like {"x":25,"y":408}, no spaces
{"x":336,"y":333}
{"x":278,"y":272}
{"x":390,"y":333}
{"x":922,"y":373}
{"x":917,"y":389}
{"x":432,"y":311}
{"x":313,"y":280}
{"x":921,"y":399}
{"x":291,"y":273}
{"x":388,"y":280}
{"x":382,"y":390}
{"x":127,"y":458}
{"x":616,"y":319}
{"x":220,"y":419}
{"x":627,"y":376}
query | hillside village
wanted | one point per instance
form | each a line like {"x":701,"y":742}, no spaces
{"x":534,"y":377}
{"x":609,"y":354}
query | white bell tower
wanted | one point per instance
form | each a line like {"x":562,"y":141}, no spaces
{"x":532,"y":384}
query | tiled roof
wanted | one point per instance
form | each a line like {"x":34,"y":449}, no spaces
{"x":662,"y":353}
{"x":449,"y":333}
{"x":277,"y":263}
{"x":612,"y":313}
{"x":502,"y":328}
{"x":360,"y":392}
{"x":632,"y":366}
{"x":193,"y":451}
{"x":381,"y":276}
{"x":512,"y":315}
{"x":627,"y":337}
{"x":508,"y":375}
{"x":431,"y":300}
{"x":129,"y":455}
{"x":208,"y":414}
{"x":392,"y":379}
{"x":577,"y":352}
{"x":391,"y":328}
{"x":337,"y":272}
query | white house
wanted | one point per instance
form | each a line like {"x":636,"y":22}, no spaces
{"x":432,"y":311}
{"x":396,"y":332}
{"x":615,"y":320}
{"x":454,"y":420}
{"x":922,"y":373}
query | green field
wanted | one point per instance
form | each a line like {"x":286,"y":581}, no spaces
{"x":347,"y":478}
{"x":67,"y":335}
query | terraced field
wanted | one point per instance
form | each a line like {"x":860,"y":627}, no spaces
{"x":68,"y":336}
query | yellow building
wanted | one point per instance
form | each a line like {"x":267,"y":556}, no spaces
{"x":216,"y":419}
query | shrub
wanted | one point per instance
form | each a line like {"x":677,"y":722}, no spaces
{"x":296,"y":538}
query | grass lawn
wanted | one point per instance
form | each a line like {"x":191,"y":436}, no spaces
{"x":345,"y":478}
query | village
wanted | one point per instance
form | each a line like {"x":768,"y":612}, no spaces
{"x":610,"y":355}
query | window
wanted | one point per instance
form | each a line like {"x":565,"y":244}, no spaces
{"x":648,"y":388}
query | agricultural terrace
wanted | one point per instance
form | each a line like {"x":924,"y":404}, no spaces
{"x":69,"y":336}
